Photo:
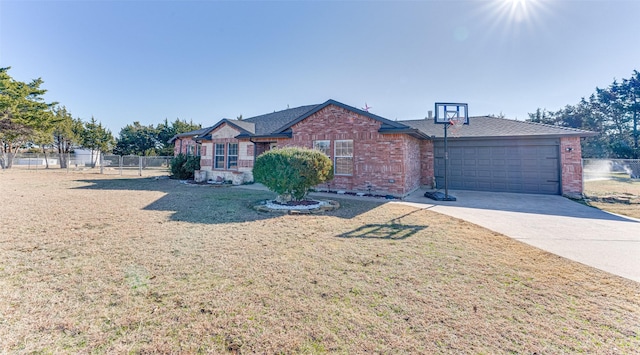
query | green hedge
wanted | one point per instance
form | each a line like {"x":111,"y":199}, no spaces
{"x":291,"y":172}
{"x":183,"y":166}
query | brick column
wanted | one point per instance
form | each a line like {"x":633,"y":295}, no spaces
{"x":571,"y":167}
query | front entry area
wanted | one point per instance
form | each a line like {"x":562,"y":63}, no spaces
{"x":522,"y":165}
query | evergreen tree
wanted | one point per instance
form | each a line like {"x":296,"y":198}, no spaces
{"x":97,"y":139}
{"x":612,"y":111}
{"x":23,"y":110}
{"x":136,"y":139}
{"x":66,"y":134}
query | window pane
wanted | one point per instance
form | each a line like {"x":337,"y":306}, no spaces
{"x":322,"y":146}
{"x":344,"y":148}
{"x":232,"y":155}
{"x":344,"y":166}
{"x":343,"y":161}
{"x":218,"y":161}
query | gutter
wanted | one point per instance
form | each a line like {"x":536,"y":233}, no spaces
{"x":276,"y":135}
{"x":414,"y":132}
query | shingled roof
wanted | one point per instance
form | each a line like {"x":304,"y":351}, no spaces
{"x":485,"y":126}
{"x":270,"y":122}
{"x":190,"y":134}
{"x":279,"y":124}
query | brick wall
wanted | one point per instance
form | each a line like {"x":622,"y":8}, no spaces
{"x":427,"y":168}
{"x":180,"y":145}
{"x":571,"y":164}
{"x":223,"y":135}
{"x":388,"y":163}
{"x":412,"y":164}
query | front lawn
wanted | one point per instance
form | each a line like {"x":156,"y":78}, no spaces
{"x":92,"y":263}
{"x":618,"y":194}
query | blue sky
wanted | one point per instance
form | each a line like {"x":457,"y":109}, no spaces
{"x":125,"y":61}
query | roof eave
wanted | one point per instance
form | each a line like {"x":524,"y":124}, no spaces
{"x":263,"y":136}
{"x":528,"y":136}
{"x":413,"y":132}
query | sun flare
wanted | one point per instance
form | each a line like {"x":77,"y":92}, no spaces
{"x":514,"y":16}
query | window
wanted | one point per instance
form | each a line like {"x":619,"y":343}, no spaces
{"x":343,"y":159}
{"x":189,"y":150}
{"x":232,"y":156}
{"x":218,"y":160}
{"x":204,"y":150}
{"x":198,"y":149}
{"x":322,"y":146}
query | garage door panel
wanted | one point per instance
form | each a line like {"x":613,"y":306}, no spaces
{"x":485,"y":152}
{"x":514,"y":162}
{"x":484,"y":163}
{"x":470,"y":163}
{"x":499,"y":151}
{"x":530,"y":166}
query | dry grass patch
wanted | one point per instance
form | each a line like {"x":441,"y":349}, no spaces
{"x":102,"y":264}
{"x":619,"y":194}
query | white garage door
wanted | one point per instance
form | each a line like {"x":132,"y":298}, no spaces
{"x":505,"y":165}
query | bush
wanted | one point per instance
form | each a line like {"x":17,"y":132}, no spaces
{"x":183,"y":166}
{"x":291,"y":172}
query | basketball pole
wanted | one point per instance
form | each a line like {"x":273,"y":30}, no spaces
{"x":446,"y":113}
{"x":446,"y":163}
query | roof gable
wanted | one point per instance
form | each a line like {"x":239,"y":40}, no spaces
{"x":385,"y":122}
{"x":189,"y":134}
{"x":240,"y":126}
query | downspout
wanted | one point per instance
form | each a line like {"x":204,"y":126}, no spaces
{"x":255,"y":150}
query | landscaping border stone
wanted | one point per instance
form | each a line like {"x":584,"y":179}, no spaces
{"x":329,"y":205}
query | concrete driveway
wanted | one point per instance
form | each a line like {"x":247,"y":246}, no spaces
{"x":552,"y":223}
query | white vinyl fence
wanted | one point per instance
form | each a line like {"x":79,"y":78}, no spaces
{"x":96,"y":163}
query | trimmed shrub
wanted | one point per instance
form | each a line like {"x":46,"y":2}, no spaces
{"x":291,"y":172}
{"x":183,"y":166}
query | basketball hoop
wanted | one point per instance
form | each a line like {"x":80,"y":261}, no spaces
{"x":454,"y":115}
{"x":455,"y":124}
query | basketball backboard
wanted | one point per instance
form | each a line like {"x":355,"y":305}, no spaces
{"x":448,"y":111}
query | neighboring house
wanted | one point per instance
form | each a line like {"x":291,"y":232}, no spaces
{"x":373,"y":154}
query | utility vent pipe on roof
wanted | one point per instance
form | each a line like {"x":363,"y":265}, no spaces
{"x":430,"y":115}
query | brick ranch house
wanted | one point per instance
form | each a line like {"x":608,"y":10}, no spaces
{"x":372,"y":153}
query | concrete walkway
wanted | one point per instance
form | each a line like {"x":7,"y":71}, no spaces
{"x":553,"y":223}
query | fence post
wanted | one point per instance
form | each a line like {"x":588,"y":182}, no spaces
{"x":120,"y":163}
{"x":101,"y":163}
{"x":140,"y":165}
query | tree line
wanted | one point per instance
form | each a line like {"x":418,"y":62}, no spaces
{"x":137,"y":139}
{"x":25,"y":117}
{"x":613,"y":112}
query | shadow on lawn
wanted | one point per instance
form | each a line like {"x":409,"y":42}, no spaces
{"x":394,"y":230}
{"x":383,"y":231}
{"x":211,"y":204}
